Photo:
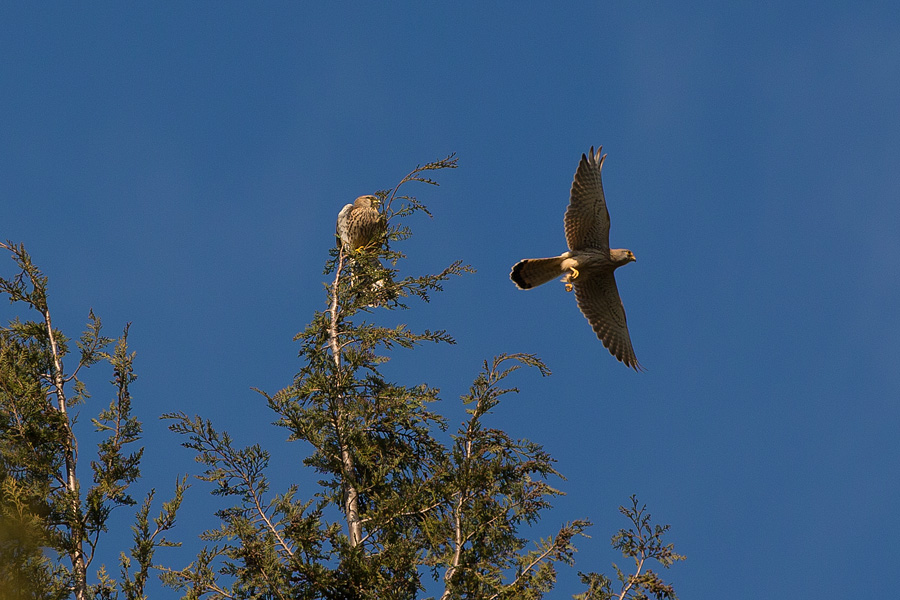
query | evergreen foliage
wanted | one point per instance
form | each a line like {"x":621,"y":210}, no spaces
{"x":400,"y":502}
{"x":49,"y":525}
{"x":405,"y":504}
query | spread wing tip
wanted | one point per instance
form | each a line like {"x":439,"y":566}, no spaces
{"x":594,"y":158}
{"x":638,"y":367}
{"x":623,"y":356}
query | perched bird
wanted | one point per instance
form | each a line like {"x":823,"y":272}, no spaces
{"x":589,"y":264}
{"x":359,"y":224}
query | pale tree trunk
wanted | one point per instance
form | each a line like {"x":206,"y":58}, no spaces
{"x":76,"y":529}
{"x":458,"y":538}
{"x":351,"y":492}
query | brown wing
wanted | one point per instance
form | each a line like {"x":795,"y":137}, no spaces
{"x":587,"y":220}
{"x":598,"y":299}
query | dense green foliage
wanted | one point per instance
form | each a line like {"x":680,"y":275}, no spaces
{"x":405,"y":503}
{"x":46,"y":515}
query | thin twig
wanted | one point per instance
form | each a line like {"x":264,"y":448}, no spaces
{"x":632,"y":578}
{"x":527,"y":569}
{"x":269,"y":525}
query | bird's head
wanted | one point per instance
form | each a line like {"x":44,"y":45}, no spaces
{"x":621,"y":256}
{"x":366,"y":202}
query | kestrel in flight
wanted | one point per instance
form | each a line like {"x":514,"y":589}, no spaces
{"x":589,"y":264}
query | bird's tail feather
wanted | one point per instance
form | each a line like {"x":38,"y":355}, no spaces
{"x":533,"y":272}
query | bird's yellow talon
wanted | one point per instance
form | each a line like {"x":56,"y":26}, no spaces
{"x":568,"y":287}
{"x":574,"y":273}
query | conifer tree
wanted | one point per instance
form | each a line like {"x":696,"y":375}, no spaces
{"x":51,"y":524}
{"x":402,"y":504}
{"x":405,"y":504}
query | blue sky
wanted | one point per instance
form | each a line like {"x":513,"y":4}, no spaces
{"x":180,"y":166}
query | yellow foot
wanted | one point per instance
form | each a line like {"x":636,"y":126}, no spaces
{"x":569,"y":277}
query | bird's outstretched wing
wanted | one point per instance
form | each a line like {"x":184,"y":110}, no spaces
{"x":587,"y":219}
{"x":598,"y":299}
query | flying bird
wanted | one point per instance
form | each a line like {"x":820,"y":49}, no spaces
{"x":589,"y":264}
